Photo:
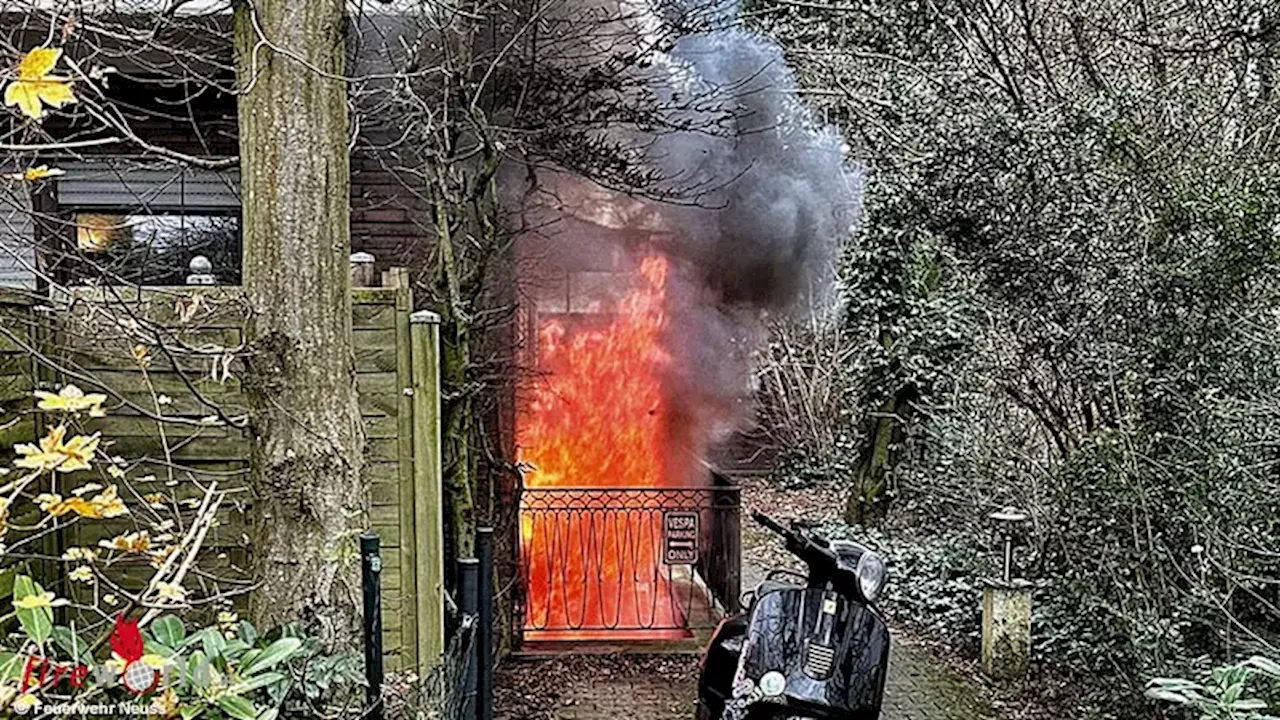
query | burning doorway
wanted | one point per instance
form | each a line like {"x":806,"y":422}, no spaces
{"x":623,"y":535}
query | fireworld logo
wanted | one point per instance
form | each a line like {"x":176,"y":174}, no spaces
{"x":131,"y":666}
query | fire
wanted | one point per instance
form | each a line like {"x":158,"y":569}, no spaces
{"x":596,"y":417}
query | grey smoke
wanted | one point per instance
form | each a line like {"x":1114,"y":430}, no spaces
{"x":772,"y":189}
{"x":772,"y":195}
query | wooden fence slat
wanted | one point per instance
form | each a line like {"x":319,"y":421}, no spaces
{"x":405,"y":476}
{"x":388,"y":368}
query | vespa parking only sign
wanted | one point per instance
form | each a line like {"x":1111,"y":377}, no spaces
{"x":679,"y":537}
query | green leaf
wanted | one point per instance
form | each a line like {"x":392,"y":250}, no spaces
{"x":8,"y":576}
{"x":234,"y":649}
{"x":269,"y":714}
{"x":238,"y":707}
{"x":248,"y":633}
{"x":248,"y":658}
{"x":168,"y":630}
{"x":37,"y":623}
{"x":212,"y":641}
{"x":1167,"y":696}
{"x":255,"y":682}
{"x":1264,"y":665}
{"x":196,"y":666}
{"x":11,"y":665}
{"x":75,"y":647}
{"x":274,"y":654}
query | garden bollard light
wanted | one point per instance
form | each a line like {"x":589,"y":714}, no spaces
{"x":1006,"y":609}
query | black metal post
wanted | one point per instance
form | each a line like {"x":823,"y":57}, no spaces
{"x":468,"y":601}
{"x":484,"y":626}
{"x":371,"y":582}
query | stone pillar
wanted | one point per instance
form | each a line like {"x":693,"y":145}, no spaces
{"x":362,"y":270}
{"x":1006,"y":628}
{"x":201,"y":271}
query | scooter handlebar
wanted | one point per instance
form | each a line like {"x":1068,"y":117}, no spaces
{"x":769,"y":523}
{"x":799,"y":543}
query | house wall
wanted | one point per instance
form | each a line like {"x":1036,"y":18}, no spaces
{"x":17,"y":252}
{"x":389,"y":218}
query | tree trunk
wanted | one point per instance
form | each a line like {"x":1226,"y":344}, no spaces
{"x":455,"y":366}
{"x":307,"y":437}
{"x":868,"y":502}
{"x":465,"y":199}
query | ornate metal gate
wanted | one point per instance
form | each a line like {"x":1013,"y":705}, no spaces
{"x":628,"y":563}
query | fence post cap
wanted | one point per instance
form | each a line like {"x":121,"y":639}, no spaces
{"x":361,"y":257}
{"x":425,"y":316}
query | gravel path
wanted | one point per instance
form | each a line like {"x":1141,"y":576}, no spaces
{"x":921,"y":685}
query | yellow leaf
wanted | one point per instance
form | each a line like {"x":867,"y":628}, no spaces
{"x":55,"y":454}
{"x":39,"y":600}
{"x":25,"y":703}
{"x":134,"y":542}
{"x":155,"y":662}
{"x":161,"y":556}
{"x":69,"y":399}
{"x":166,"y":704}
{"x":170,"y":591}
{"x":33,"y":174}
{"x":38,"y":63}
{"x":35,"y":87}
{"x":106,"y":504}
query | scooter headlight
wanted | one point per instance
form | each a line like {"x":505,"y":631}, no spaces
{"x":871,"y":576}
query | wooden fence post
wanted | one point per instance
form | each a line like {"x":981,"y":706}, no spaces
{"x":399,"y":279}
{"x":362,"y":270}
{"x":428,"y":495}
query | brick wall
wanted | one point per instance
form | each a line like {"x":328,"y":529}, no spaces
{"x":389,"y":217}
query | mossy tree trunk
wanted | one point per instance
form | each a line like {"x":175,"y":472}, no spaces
{"x":466,"y":224}
{"x":869,"y":496}
{"x":457,"y":461}
{"x":307,"y":437}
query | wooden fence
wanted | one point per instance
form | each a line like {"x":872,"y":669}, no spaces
{"x":189,"y":376}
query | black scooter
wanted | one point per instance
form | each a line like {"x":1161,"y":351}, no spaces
{"x":812,"y":650}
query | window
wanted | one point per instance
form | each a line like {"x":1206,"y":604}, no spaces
{"x":157,"y":249}
{"x":118,"y":221}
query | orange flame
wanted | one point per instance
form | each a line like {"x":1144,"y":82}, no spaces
{"x":596,"y":417}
